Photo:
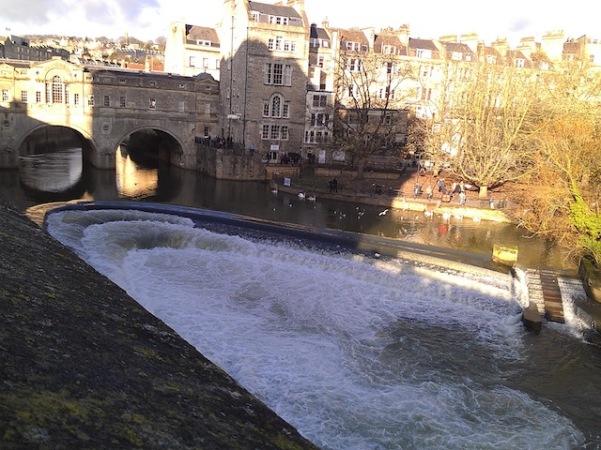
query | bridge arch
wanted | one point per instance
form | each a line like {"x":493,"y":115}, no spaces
{"x":168,"y":145}
{"x":30,"y":138}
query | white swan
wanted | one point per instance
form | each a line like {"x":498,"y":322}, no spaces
{"x":311,"y":198}
{"x":301,"y":195}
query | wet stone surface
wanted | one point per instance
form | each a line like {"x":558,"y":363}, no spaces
{"x":85,"y":366}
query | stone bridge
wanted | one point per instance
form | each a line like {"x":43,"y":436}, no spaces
{"x":104,"y":106}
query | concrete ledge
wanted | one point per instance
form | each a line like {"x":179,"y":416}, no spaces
{"x":355,"y":242}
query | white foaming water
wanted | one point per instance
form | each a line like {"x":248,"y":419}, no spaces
{"x":356,"y":353}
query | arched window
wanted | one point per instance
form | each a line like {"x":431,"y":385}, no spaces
{"x":57,"y":89}
{"x":276,"y":106}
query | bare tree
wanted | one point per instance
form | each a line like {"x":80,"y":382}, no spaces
{"x":482,"y":122}
{"x":161,"y":41}
{"x":369,"y":113}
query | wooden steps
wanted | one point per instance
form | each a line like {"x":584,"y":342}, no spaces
{"x":551,"y":295}
{"x":544,"y":291}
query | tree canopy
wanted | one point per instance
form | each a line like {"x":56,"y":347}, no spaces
{"x":483,"y":122}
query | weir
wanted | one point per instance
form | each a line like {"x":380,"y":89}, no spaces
{"x":306,"y":326}
{"x":541,"y":286}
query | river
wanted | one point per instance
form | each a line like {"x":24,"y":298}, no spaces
{"x":62,"y":176}
{"x":356,"y":352}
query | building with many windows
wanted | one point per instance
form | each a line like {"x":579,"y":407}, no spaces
{"x":321,"y":96}
{"x":16,"y":47}
{"x":192,"y":49}
{"x":283,"y":81}
{"x":264,"y":74}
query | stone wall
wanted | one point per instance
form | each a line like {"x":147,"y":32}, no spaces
{"x":333,"y":171}
{"x":86,"y":366}
{"x":229,"y":164}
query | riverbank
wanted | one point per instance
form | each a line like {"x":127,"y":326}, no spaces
{"x":399,"y":193}
{"x":85,"y":366}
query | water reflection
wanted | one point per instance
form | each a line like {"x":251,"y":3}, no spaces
{"x":134,"y":180}
{"x":52,"y":172}
{"x":62,"y":176}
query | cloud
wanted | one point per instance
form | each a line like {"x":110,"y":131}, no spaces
{"x":17,"y":11}
{"x":84,"y":18}
{"x":148,"y":19}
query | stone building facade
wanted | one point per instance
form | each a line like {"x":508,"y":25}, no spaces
{"x":275,"y":83}
{"x":280,"y":74}
{"x":264,"y":76}
{"x":191,"y":50}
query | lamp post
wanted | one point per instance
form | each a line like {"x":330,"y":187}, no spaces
{"x":231,"y":93}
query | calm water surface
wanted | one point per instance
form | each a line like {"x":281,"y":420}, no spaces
{"x":61,"y":176}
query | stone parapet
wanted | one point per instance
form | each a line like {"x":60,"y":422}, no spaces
{"x":85,"y":366}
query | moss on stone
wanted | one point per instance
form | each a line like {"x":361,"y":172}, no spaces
{"x":85,"y":366}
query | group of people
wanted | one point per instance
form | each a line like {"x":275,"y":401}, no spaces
{"x":216,"y":141}
{"x":456,"y":188}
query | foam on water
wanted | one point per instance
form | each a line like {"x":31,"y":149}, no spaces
{"x":355,"y":352}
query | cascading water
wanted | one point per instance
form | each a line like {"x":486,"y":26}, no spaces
{"x":355,"y":352}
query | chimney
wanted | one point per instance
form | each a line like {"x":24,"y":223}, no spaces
{"x":471,"y":40}
{"x":501,"y":46}
{"x":403,"y":35}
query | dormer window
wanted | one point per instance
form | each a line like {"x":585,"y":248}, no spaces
{"x":389,"y":50}
{"x":422,"y":53}
{"x":278,"y":20}
{"x":456,"y":56}
{"x":356,"y":46}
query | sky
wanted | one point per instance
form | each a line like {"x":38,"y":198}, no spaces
{"x":429,"y":19}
